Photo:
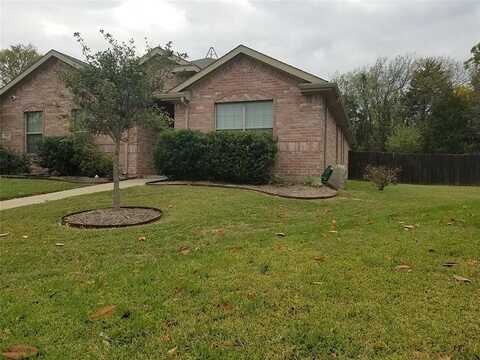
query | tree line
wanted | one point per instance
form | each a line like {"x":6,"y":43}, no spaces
{"x":414,"y":104}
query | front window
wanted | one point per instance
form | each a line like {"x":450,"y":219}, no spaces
{"x":34,"y":130}
{"x":78,"y":120}
{"x":254,"y":115}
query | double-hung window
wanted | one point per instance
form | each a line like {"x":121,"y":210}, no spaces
{"x":252,"y":115}
{"x":33,"y":130}
{"x":78,"y":120}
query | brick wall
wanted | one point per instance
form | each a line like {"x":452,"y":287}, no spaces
{"x":298,"y":120}
{"x":44,"y":91}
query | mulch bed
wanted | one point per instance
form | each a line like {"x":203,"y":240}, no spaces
{"x":292,"y":191}
{"x":109,"y":217}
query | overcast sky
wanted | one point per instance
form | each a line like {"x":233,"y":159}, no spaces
{"x":321,"y":37}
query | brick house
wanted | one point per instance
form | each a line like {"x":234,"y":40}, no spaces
{"x":242,"y":90}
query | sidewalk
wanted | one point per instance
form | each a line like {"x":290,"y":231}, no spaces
{"x":38,"y":199}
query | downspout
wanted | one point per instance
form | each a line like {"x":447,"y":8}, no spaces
{"x":325,"y":133}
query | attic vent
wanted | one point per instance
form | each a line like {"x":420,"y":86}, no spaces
{"x":211,"y":53}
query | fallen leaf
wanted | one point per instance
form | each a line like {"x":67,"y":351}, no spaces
{"x":141,"y":238}
{"x":251,"y":295}
{"x":184,"y":250}
{"x":235,"y":248}
{"x":333,"y":226}
{"x":462,"y":279}
{"x":409,"y":227}
{"x":226,"y":306}
{"x":319,"y":258}
{"x":4,"y":234}
{"x":18,"y":352}
{"x":228,"y":343}
{"x":450,"y":264}
{"x":370,"y":222}
{"x":281,"y":234}
{"x":103,"y":312}
{"x":59,"y":244}
{"x":172,"y":351}
{"x":403,"y":268}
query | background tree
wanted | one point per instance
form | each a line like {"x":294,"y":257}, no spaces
{"x":15,"y":60}
{"x":437,"y":97}
{"x":405,"y":139}
{"x":116,"y":91}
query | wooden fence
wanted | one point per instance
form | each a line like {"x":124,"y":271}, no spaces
{"x":447,"y":169}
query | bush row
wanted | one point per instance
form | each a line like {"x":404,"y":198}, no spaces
{"x":12,"y":163}
{"x":74,"y":155}
{"x":237,"y":157}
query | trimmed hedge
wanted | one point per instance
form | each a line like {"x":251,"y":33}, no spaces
{"x":236,"y":157}
{"x":74,"y":155}
{"x":12,"y":163}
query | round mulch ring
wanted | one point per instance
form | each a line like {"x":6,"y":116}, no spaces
{"x":112,"y":218}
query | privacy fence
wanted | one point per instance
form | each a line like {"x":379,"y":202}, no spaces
{"x":447,"y":169}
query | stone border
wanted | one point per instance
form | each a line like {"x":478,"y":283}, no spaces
{"x":241,"y":187}
{"x":79,"y":226}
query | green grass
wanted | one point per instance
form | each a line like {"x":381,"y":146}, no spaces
{"x":11,"y":188}
{"x":242,"y":292}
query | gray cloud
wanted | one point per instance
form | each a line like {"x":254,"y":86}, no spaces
{"x":319,"y":36}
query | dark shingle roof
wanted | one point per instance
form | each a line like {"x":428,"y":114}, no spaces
{"x":203,"y":63}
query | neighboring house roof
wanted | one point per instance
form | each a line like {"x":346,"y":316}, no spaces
{"x":70,"y":60}
{"x":242,"y":49}
{"x":203,"y":63}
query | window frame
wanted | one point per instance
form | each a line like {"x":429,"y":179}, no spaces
{"x":73,"y":126}
{"x":244,"y":113}
{"x":29,"y":133}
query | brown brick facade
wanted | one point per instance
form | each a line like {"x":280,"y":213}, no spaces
{"x":44,"y":91}
{"x":308,"y":136}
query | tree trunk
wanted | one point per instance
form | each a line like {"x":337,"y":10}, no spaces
{"x":116,"y":175}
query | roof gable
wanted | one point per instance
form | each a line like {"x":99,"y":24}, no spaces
{"x":242,"y":49}
{"x":69,"y":60}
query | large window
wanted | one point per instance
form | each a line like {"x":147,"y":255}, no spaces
{"x":33,"y":130}
{"x":255,"y":115}
{"x":78,"y":120}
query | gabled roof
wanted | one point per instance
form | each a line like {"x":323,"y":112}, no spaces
{"x":242,"y":49}
{"x":67,"y":59}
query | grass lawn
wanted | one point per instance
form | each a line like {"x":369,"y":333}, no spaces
{"x":212,"y":280}
{"x":11,"y":188}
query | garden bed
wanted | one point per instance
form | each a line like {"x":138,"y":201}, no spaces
{"x":112,"y":218}
{"x":293,"y":191}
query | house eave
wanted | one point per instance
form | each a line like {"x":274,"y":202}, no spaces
{"x":182,"y":97}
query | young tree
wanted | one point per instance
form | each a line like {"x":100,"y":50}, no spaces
{"x":15,"y":60}
{"x":116,"y":91}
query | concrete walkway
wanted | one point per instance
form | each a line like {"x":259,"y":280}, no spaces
{"x":39,"y":199}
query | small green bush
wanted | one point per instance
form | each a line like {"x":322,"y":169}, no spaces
{"x":237,"y":157}
{"x":74,"y":155}
{"x":12,"y":163}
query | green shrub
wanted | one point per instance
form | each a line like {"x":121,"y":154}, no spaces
{"x":75,"y":155}
{"x":237,"y":157}
{"x":12,"y":163}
